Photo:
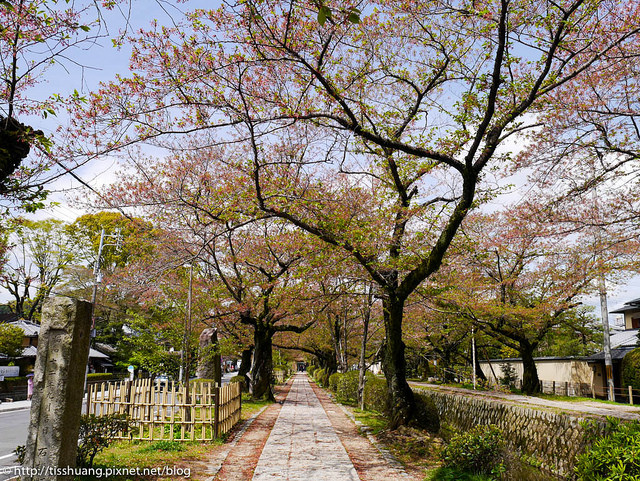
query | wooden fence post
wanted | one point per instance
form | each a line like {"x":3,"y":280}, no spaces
{"x":630,"y":395}
{"x":216,"y":411}
{"x":554,"y":388}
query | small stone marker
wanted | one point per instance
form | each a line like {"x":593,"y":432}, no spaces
{"x":209,"y":356}
{"x":63,"y":351}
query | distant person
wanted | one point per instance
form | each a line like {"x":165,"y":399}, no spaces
{"x":29,"y":386}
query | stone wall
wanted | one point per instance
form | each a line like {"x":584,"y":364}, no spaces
{"x":554,"y":438}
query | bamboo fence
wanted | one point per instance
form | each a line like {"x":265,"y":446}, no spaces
{"x":163,"y":412}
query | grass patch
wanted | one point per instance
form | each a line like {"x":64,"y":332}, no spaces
{"x":376,"y":422}
{"x":578,"y":399}
{"x":251,"y":406}
{"x":141,"y":454}
{"x":448,"y":474}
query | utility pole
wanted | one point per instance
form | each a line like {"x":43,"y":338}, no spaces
{"x":473,"y":355}
{"x":97,"y":276}
{"x":608,"y":363}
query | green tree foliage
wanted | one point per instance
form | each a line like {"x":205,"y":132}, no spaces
{"x":11,"y":340}
{"x":39,"y":254}
{"x":137,"y":238}
{"x":149,"y":341}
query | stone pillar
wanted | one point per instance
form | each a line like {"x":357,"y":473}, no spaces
{"x":209,"y":356}
{"x":58,"y":387}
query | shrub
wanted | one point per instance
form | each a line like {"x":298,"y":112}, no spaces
{"x":97,"y":433}
{"x":11,"y":383}
{"x":333,"y":380}
{"x":100,"y":376}
{"x":311,"y":370}
{"x":20,"y":453}
{"x":614,"y":456}
{"x":376,"y":394}
{"x":509,"y":376}
{"x":347,"y":388}
{"x":631,"y":369}
{"x":325,"y":378}
{"x":426,"y":415}
{"x":479,"y":451}
{"x":317,"y":375}
{"x":241,"y":380}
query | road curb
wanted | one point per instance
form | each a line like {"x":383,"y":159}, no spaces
{"x":2,"y":410}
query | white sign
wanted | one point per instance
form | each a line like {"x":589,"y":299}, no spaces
{"x":131,"y":369}
{"x":10,"y":371}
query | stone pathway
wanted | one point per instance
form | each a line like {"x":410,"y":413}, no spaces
{"x":303,"y":445}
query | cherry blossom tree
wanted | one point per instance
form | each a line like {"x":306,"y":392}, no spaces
{"x":376,"y":137}
{"x":518,"y":281}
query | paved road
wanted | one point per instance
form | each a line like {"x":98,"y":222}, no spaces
{"x":13,"y":426}
{"x":303,"y":445}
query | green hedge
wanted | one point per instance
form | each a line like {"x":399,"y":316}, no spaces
{"x":311,"y":370}
{"x":11,"y":383}
{"x":333,"y":380}
{"x":100,"y":376}
{"x":376,"y":394}
{"x":347,"y":388}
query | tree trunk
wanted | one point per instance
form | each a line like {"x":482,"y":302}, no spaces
{"x":262,"y":367}
{"x":245,"y":366}
{"x":530,"y":381}
{"x":327,"y":360}
{"x":401,"y":401}
{"x":363,"y":356}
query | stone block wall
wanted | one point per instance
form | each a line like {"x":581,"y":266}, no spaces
{"x":554,"y":438}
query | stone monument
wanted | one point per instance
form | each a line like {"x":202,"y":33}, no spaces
{"x":209,"y":361}
{"x":63,"y":352}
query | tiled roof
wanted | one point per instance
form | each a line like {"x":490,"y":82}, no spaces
{"x":626,"y":338}
{"x":31,"y":351}
{"x":30,"y":329}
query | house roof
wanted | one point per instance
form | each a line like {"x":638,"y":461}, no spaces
{"x":616,"y":354}
{"x":31,"y":351}
{"x":628,"y":338}
{"x":30,"y":329}
{"x":105,"y":348}
{"x":632,"y":305}
{"x":8,"y":317}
